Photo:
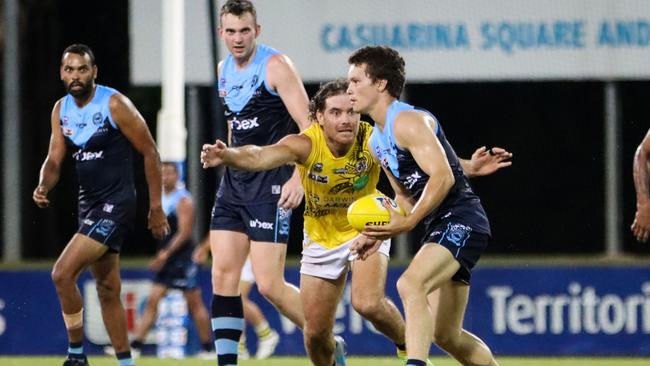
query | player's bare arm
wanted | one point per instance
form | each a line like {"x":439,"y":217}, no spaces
{"x":283,"y":77}
{"x":185,"y":215}
{"x":486,"y":161}
{"x":134,"y":128}
{"x":51,"y":169}
{"x":414,"y":131}
{"x":291,"y":149}
{"x":364,"y":247}
{"x":641,"y":225}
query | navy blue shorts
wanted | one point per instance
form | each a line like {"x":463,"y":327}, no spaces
{"x":180,"y":275}
{"x":265,"y":222}
{"x":102,"y":226}
{"x":464,"y":244}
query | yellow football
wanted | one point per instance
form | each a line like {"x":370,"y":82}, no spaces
{"x":368,"y":210}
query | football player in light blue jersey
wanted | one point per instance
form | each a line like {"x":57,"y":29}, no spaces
{"x":263,"y":95}
{"x":103,"y":127}
{"x":430,"y":185}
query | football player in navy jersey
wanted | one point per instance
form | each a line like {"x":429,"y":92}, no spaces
{"x":102,"y":127}
{"x":264,"y":99}
{"x":430,"y":185}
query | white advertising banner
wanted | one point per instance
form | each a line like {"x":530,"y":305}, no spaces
{"x":445,"y":40}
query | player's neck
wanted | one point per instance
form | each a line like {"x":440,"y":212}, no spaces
{"x":83,"y":100}
{"x":378,"y":111}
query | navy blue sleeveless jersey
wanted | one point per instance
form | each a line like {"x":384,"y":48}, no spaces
{"x":103,"y":156}
{"x":461,"y":201}
{"x":256,"y":116}
{"x":183,"y":256}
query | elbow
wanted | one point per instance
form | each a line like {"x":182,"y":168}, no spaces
{"x":448,"y":181}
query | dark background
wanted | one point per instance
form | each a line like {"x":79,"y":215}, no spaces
{"x":551,"y":201}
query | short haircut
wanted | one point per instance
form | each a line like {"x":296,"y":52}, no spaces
{"x":172,"y":164}
{"x":329,"y":89}
{"x":80,"y":49}
{"x":238,"y":8}
{"x":382,"y":63}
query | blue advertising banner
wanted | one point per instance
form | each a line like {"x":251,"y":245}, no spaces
{"x":554,"y":311}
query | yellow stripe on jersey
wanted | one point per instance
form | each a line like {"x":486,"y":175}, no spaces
{"x":331,"y":184}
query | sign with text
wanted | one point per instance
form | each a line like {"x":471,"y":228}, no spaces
{"x":444,"y":40}
{"x":550,"y":311}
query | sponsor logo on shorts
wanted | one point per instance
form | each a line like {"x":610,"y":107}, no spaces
{"x":89,"y":222}
{"x":108,"y":207}
{"x":257,"y":224}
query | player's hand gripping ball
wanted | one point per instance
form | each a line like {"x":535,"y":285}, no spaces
{"x":369,"y":210}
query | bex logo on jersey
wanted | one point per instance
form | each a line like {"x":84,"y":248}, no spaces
{"x":245,"y":124}
{"x":88,"y":155}
{"x":261,"y":224}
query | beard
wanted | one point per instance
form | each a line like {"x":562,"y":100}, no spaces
{"x":85,"y":90}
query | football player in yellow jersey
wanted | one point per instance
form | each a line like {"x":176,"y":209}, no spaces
{"x":336,"y":168}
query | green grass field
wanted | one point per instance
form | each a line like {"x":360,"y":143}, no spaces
{"x":352,"y":361}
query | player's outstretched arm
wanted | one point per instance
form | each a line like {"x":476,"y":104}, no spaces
{"x":291,"y":149}
{"x":641,"y":225}
{"x":486,"y":161}
{"x":51,"y":168}
{"x":135,"y":129}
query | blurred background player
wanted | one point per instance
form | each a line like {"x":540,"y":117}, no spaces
{"x":267,"y":338}
{"x":641,"y":169}
{"x":263,"y":95}
{"x":174,"y":266}
{"x":103,"y":127}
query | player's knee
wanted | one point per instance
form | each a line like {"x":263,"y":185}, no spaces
{"x":107,"y":290}
{"x":444,"y":339}
{"x":60,"y":277}
{"x":315,"y":333}
{"x":366,"y":306}
{"x":269,"y":289}
{"x":405,"y":287}
{"x":223,"y":280}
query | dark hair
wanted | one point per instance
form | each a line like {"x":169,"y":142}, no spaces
{"x":80,"y":49}
{"x":382,"y":63}
{"x":238,"y":8}
{"x":329,"y":89}
{"x":172,"y":164}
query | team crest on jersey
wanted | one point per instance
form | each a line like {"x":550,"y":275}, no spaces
{"x":97,"y":118}
{"x":254,"y":80}
{"x":64,"y":122}
{"x":318,"y":167}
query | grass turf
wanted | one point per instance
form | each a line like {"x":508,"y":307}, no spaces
{"x":352,"y":361}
